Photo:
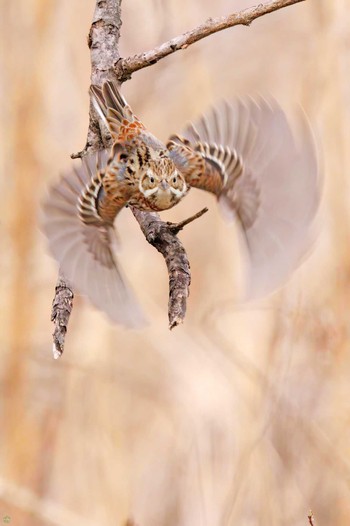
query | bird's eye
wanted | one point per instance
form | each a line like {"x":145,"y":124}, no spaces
{"x":123,"y":157}
{"x":151,"y":179}
{"x":174,"y":179}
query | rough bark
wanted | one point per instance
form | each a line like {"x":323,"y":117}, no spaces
{"x":163,"y":236}
{"x":61,"y":310}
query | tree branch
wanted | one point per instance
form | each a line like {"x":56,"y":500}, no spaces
{"x":106,"y":64}
{"x":163,"y":236}
{"x":311,"y":519}
{"x":125,"y":67}
{"x":61,"y":309}
{"x":103,"y":43}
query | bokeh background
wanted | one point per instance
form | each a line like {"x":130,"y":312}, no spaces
{"x":242,"y":415}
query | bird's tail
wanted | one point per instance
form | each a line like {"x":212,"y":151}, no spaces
{"x":115,"y":112}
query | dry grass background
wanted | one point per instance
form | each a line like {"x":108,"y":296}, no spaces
{"x":242,"y":415}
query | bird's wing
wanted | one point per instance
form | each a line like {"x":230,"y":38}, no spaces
{"x":246,"y":154}
{"x":83,"y":248}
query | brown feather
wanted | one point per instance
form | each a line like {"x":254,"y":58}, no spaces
{"x":262,"y":178}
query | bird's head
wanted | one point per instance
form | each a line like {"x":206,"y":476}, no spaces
{"x":162,"y":185}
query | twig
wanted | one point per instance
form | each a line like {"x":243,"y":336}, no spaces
{"x":61,"y":309}
{"x":311,"y":518}
{"x":130,"y":522}
{"x":176,"y":227}
{"x":163,"y":237}
{"x":125,"y":67}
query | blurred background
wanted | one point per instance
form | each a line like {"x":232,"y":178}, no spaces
{"x":242,"y":415}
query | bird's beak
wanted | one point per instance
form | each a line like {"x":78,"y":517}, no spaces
{"x":164,"y":185}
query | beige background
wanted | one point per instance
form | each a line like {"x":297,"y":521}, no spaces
{"x":242,"y":415}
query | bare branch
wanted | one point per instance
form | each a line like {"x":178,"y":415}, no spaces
{"x":103,"y":42}
{"x":311,"y":519}
{"x":106,"y":64}
{"x":163,"y":237}
{"x":61,"y":310}
{"x":127,"y":66}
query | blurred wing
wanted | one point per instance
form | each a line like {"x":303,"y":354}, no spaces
{"x":261,"y":177}
{"x":85,"y":251}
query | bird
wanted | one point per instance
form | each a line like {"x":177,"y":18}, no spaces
{"x":264,"y":177}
